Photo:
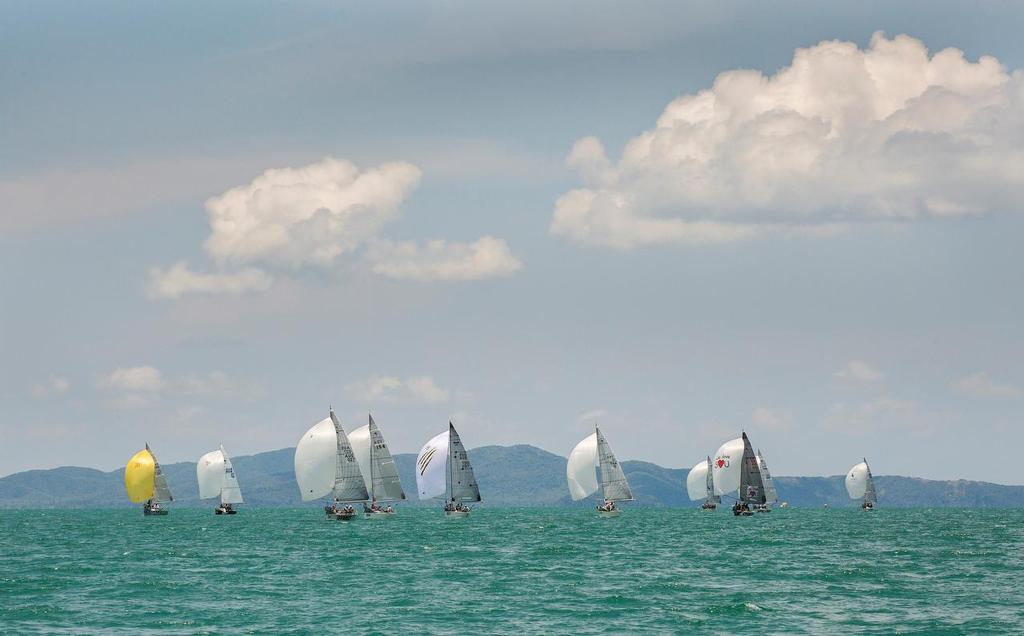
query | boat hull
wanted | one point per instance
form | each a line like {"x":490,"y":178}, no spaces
{"x":608,"y":513}
{"x":456,"y":513}
{"x":342,"y":516}
{"x":221,"y":511}
{"x":154,"y":513}
{"x":378,"y":514}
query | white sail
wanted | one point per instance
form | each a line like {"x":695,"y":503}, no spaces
{"x":161,"y":491}
{"x":613,"y":481}
{"x":231,"y":492}
{"x":857,"y":481}
{"x":770,"y":493}
{"x":581,"y":469}
{"x":462,"y":480}
{"x":210,"y":474}
{"x":432,"y":467}
{"x":348,"y":480}
{"x":726,"y":466}
{"x":380,"y":474}
{"x":697,"y":481}
{"x":316,"y":459}
{"x":869,"y":493}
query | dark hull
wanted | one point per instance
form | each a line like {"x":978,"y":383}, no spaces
{"x":154,"y":513}
{"x":221,"y":511}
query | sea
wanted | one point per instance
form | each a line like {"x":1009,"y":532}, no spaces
{"x":512,"y":571}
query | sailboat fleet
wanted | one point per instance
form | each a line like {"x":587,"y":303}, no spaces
{"x":358,"y":468}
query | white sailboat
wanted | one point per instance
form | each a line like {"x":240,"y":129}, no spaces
{"x":861,"y":485}
{"x":380,"y":475}
{"x":735,"y":468}
{"x":216,"y":477}
{"x":443,"y":468}
{"x":701,"y":487}
{"x":770,"y":494}
{"x":325,"y":464}
{"x":591,"y":453}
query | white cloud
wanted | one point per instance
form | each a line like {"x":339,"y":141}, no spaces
{"x":54,"y":385}
{"x":858,"y":371}
{"x":980,"y":385}
{"x":769,"y":419}
{"x":179,"y":280}
{"x":591,"y":416}
{"x":441,"y":261}
{"x":307,"y":215}
{"x":883,"y":411}
{"x":142,"y":379}
{"x":376,"y":388}
{"x":842,"y":135}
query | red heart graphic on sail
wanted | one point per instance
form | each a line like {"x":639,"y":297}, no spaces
{"x":721,"y":462}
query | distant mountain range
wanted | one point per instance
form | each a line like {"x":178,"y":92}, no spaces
{"x":508,"y":475}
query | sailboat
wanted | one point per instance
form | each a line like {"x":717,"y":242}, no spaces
{"x":770,"y":494}
{"x":146,"y":484}
{"x":443,"y":468}
{"x":861,"y":485}
{"x":325,"y":464}
{"x":735,"y":468}
{"x":380,"y":475}
{"x":591,"y":453}
{"x":216,"y":477}
{"x":701,"y":486}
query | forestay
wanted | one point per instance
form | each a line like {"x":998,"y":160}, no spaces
{"x":613,"y":480}
{"x":463,"y":481}
{"x":432,"y":467}
{"x":581,"y":469}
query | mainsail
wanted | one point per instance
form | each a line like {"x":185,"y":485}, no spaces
{"x":375,"y":463}
{"x":766,"y":476}
{"x":324,"y":463}
{"x":751,"y":484}
{"x":613,"y":480}
{"x":462,"y":479}
{"x":161,"y":491}
{"x":231,"y":492}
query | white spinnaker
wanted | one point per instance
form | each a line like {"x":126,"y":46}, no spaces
{"x":697,"y":481}
{"x":231,"y":492}
{"x":726,"y":466}
{"x":360,"y":441}
{"x":581,"y":469}
{"x":432,"y":467}
{"x":210,"y":474}
{"x":857,"y":481}
{"x":463,"y":481}
{"x":316,"y":459}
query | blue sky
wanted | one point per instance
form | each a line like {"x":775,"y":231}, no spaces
{"x":833,"y":295}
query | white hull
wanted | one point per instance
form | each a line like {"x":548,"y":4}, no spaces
{"x":456,"y":513}
{"x":379,"y":514}
{"x":608,"y":513}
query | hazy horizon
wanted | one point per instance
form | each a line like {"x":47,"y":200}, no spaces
{"x":679,"y":221}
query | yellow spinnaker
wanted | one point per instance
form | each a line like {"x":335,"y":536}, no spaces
{"x":138,"y":476}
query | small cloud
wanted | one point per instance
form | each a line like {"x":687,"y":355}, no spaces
{"x":179,"y":280}
{"x":55,"y":385}
{"x":591,"y":416}
{"x":859,"y":372}
{"x":980,"y":385}
{"x":441,"y":261}
{"x":860,"y":417}
{"x":130,"y":401}
{"x":134,"y":379}
{"x":419,"y":390}
{"x":213,"y":384}
{"x":769,"y":419}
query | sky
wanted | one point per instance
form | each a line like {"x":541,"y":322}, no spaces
{"x":674,"y":220}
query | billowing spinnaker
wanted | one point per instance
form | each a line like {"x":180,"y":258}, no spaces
{"x":581,"y":469}
{"x":697,"y":481}
{"x":316,"y":459}
{"x":432,"y":467}
{"x":138,"y":476}
{"x":857,"y":481}
{"x":463,"y":481}
{"x":360,"y":441}
{"x":231,"y":493}
{"x":210,"y":474}
{"x":726,"y":466}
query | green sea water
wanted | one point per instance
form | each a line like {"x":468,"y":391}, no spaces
{"x":512,"y":571}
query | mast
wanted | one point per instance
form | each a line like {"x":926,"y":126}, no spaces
{"x":451,"y":464}
{"x":369,"y":430}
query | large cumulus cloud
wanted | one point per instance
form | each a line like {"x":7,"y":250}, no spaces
{"x":842,"y":135}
